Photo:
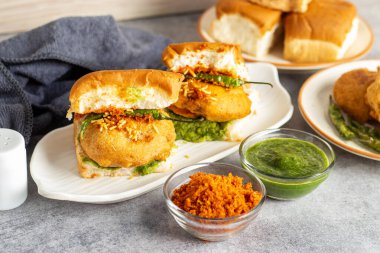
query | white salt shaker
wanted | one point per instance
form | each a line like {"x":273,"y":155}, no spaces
{"x":13,"y":169}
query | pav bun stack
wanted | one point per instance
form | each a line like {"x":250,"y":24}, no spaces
{"x":309,"y":31}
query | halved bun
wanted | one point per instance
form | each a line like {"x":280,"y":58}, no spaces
{"x":253,"y":27}
{"x":125,"y":89}
{"x":264,"y":18}
{"x":220,"y":57}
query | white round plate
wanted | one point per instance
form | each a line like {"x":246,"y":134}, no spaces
{"x":361,"y":46}
{"x":53,"y":163}
{"x":313,"y":102}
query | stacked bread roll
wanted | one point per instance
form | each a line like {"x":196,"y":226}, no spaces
{"x":314,"y":30}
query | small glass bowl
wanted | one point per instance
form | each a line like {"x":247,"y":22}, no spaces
{"x":210,"y":229}
{"x":287,"y":188}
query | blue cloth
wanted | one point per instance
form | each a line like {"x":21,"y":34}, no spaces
{"x":38,"y":68}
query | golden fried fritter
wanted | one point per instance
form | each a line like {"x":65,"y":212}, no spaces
{"x":373,"y":97}
{"x":214,"y":102}
{"x":137,"y":143}
{"x":183,"y":112}
{"x":350,"y":90}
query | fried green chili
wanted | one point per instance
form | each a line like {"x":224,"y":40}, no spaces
{"x":350,"y":129}
{"x":337,"y":119}
{"x":226,"y":81}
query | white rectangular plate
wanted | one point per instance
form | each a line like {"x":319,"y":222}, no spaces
{"x":53,"y":163}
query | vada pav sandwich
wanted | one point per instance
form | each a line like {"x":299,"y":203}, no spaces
{"x":253,"y":27}
{"x":215,"y":89}
{"x":323,"y":33}
{"x":120,"y":127}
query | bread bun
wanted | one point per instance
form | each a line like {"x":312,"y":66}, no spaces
{"x":264,"y":18}
{"x":124,"y":89}
{"x":205,"y":56}
{"x":322,"y":34}
{"x":253,"y":27}
{"x":284,"y":5}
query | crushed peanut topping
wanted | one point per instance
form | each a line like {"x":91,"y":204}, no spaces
{"x":115,"y":121}
{"x":196,"y":90}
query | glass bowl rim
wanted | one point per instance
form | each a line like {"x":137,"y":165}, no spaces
{"x":251,"y":212}
{"x":274,"y":130}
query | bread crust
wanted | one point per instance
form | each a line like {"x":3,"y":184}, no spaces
{"x":284,"y":5}
{"x":304,"y":50}
{"x":175,"y":49}
{"x":263,"y":17}
{"x":163,"y":82}
{"x":325,"y":20}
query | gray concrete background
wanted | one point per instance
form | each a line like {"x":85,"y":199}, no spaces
{"x":342,"y":215}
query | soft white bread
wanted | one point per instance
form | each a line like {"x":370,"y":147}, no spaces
{"x":205,"y":56}
{"x":285,"y":5}
{"x":124,"y":89}
{"x":322,"y":34}
{"x":373,"y":97}
{"x":253,"y":27}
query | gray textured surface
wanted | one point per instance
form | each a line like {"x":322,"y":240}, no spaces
{"x":343,"y":215}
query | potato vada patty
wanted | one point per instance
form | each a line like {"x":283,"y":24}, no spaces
{"x":213,"y":102}
{"x":350,"y":90}
{"x":140,"y":140}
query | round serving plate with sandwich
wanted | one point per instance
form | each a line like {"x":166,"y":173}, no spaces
{"x":309,"y":37}
{"x":123,"y":140}
{"x":352,"y":88}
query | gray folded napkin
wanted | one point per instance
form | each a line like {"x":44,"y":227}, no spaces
{"x":38,"y":68}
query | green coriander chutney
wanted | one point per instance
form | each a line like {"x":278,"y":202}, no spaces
{"x":287,"y":158}
{"x":289,"y":168}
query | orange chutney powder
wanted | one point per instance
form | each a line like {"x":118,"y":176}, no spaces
{"x":216,"y":196}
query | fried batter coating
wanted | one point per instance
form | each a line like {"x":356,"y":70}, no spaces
{"x":138,"y":143}
{"x":373,"y":97}
{"x":350,"y":90}
{"x":215,"y":103}
{"x":183,"y":112}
